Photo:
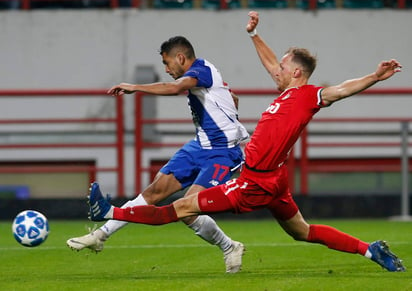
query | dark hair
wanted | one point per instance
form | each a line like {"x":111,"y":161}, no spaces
{"x":304,"y":58}
{"x":179,"y":43}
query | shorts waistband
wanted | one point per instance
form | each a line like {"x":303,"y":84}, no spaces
{"x":258,"y":173}
{"x":257,"y":170}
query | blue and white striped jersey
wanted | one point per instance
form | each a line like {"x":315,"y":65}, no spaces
{"x":213,"y":109}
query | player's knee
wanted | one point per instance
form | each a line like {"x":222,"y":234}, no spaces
{"x":299,"y":234}
{"x":154,"y":193}
{"x":152,"y":197}
{"x":186,"y":206}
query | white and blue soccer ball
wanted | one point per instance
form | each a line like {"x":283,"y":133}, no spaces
{"x":30,"y":228}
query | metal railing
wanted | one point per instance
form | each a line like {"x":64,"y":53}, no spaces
{"x":118,"y":145}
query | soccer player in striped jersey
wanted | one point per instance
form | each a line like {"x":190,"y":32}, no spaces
{"x":208,"y":160}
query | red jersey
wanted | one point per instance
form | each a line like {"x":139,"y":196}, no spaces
{"x":280,"y":126}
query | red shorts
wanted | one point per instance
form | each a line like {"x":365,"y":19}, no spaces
{"x":251,"y":191}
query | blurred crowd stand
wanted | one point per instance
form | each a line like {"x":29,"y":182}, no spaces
{"x":204,"y":4}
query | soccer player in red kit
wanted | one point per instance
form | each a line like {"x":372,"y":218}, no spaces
{"x":263,"y":181}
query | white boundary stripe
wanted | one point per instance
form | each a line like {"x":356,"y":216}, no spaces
{"x":177,"y":246}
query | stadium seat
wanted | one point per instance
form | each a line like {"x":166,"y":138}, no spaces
{"x":172,"y":4}
{"x":363,"y":4}
{"x":268,"y":3}
{"x":215,"y":4}
{"x":304,"y":4}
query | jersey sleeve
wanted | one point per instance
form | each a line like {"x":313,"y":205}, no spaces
{"x":203,"y":76}
{"x":319,"y":94}
{"x":317,"y":91}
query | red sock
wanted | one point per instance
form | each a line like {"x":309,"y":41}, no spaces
{"x":336,"y":240}
{"x":147,"y":214}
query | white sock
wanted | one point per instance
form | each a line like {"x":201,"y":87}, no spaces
{"x":205,"y":227}
{"x":112,"y":226}
{"x":109,"y":214}
{"x":368,"y":254}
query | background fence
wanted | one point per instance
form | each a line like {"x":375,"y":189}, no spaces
{"x":301,"y":163}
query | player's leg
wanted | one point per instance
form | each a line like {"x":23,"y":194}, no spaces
{"x":300,"y":230}
{"x":161,"y":187}
{"x":296,"y":226}
{"x":211,"y":200}
{"x":285,"y":210}
{"x":215,"y":167}
{"x":100,"y":209}
{"x":205,"y":227}
{"x":168,"y":181}
{"x":208,"y":201}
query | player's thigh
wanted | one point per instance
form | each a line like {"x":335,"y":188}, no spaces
{"x":183,"y":166}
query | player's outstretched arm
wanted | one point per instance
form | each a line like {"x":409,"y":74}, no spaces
{"x":385,"y":70}
{"x":122,"y":88}
{"x":265,"y":53}
{"x":159,"y":88}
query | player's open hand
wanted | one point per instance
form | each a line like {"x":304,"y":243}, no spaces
{"x":387,"y":69}
{"x":122,"y":88}
{"x":253,"y":21}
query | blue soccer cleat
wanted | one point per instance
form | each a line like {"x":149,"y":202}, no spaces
{"x":98,"y":205}
{"x":384,"y":257}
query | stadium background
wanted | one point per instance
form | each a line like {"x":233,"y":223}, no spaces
{"x":94,"y":49}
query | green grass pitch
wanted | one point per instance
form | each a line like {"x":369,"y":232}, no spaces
{"x":170,"y":257}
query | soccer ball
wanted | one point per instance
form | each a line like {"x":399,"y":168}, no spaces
{"x":30,"y":228}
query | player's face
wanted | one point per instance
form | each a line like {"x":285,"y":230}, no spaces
{"x":285,"y":72}
{"x":173,"y":65}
